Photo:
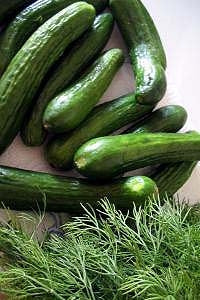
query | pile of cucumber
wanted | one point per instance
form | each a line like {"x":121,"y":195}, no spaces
{"x":52,"y":76}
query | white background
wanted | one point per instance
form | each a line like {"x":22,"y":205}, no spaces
{"x":178,"y":22}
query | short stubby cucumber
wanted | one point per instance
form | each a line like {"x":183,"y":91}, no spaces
{"x":66,"y":111}
{"x":27,"y":69}
{"x":103,"y":120}
{"x":171,"y":177}
{"x":20,"y":189}
{"x":107,"y":157}
{"x":71,"y":64}
{"x":145,"y":49}
{"x":25,"y":23}
{"x":170,"y":118}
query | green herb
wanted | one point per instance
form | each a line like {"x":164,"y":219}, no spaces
{"x":153,"y":253}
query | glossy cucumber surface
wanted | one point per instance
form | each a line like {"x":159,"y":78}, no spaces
{"x":25,"y":73}
{"x":66,"y":111}
{"x":145,"y":49}
{"x":69,"y":67}
{"x":103,"y":120}
{"x":170,"y":118}
{"x":20,"y":189}
{"x":108,"y":157}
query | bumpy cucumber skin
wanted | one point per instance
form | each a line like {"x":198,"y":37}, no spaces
{"x":170,"y":118}
{"x":20,"y":189}
{"x":104,"y":119}
{"x":26,"y":22}
{"x":171,"y":177}
{"x":23,"y":76}
{"x":66,"y":111}
{"x":71,"y":64}
{"x":107,"y":157}
{"x":145,"y":48}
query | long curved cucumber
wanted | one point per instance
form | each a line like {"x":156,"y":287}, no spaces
{"x":107,"y":157}
{"x":26,"y":22}
{"x":171,"y":177}
{"x":170,"y":118}
{"x":20,"y":189}
{"x":66,"y":111}
{"x":25,"y":73}
{"x":145,"y":49}
{"x":104,"y":119}
{"x":70,"y":65}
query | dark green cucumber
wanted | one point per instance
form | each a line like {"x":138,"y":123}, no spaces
{"x":104,"y":119}
{"x":98,"y":4}
{"x":70,"y":108}
{"x":71,"y":64}
{"x":169,"y":118}
{"x":107,"y":157}
{"x":145,"y":49}
{"x":20,"y":189}
{"x":26,"y":22}
{"x":23,"y":76}
{"x":10,"y":7}
{"x":171,"y":177}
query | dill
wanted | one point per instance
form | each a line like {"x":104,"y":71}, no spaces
{"x":152,"y":253}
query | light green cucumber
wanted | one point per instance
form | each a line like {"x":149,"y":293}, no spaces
{"x":66,"y":111}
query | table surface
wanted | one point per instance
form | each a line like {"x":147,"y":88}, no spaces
{"x":179,"y":25}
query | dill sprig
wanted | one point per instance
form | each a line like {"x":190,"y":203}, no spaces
{"x":152,"y":253}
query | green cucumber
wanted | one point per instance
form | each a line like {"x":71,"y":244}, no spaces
{"x":171,"y":177}
{"x":26,"y":22}
{"x":20,"y":189}
{"x":66,"y":111}
{"x":169,"y":118}
{"x":107,"y":157}
{"x":145,"y":49}
{"x":104,"y":119}
{"x":24,"y":75}
{"x":10,"y":7}
{"x":71,"y":64}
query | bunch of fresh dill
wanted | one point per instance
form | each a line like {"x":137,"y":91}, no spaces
{"x":153,"y":253}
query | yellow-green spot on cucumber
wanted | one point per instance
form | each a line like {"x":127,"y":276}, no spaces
{"x":71,"y":107}
{"x":108,"y":157}
{"x":26,"y":71}
{"x":145,"y":49}
{"x":71,"y":65}
{"x":104,"y":119}
{"x":20,"y":189}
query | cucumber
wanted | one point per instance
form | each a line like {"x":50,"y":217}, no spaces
{"x":71,"y":64}
{"x":66,"y":111}
{"x":145,"y":49}
{"x":20,"y":189}
{"x":169,"y":118}
{"x":171,"y":177}
{"x":26,"y":22}
{"x":22,"y":78}
{"x":98,"y":4}
{"x":107,"y":157}
{"x":10,"y":7}
{"x":104,"y":119}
